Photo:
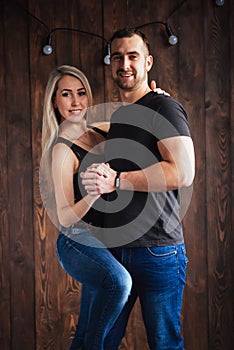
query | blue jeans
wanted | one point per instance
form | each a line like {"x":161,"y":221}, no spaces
{"x":158,"y":275}
{"x":106,"y":286}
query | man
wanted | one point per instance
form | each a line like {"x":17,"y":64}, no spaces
{"x":151,"y":156}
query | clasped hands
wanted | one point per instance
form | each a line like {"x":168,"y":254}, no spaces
{"x":98,"y":179}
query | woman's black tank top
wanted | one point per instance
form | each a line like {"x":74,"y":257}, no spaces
{"x":93,"y":216}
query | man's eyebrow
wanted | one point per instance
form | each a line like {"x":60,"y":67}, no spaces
{"x":115,"y":53}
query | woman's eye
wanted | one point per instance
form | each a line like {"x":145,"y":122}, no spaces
{"x":82,"y":93}
{"x":66,"y":94}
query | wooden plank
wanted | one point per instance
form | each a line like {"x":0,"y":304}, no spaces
{"x":57,"y":309}
{"x":19,"y":178}
{"x":92,"y":48}
{"x":231,"y":97}
{"x":83,"y":51}
{"x":218,"y":141}
{"x":195,"y":312}
{"x":49,"y":277}
{"x":165,"y":68}
{"x":79,"y":49}
{"x":111,"y":22}
{"x":5,"y":328}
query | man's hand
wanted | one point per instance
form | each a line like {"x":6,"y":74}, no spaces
{"x":159,"y":91}
{"x":98,"y":179}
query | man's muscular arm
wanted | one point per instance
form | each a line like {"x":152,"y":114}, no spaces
{"x":176,"y":170}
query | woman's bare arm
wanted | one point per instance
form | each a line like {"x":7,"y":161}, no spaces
{"x":64,"y":165}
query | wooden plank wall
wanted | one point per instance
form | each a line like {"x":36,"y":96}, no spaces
{"x":39,"y":302}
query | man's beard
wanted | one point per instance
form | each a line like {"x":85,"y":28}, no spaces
{"x":128,"y":85}
{"x":125,"y":85}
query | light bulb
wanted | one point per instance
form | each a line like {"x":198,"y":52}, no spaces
{"x":47,"y":49}
{"x":173,"y":40}
{"x":107,"y":59}
{"x":219,"y":2}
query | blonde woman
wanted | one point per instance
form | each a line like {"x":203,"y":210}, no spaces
{"x":69,"y":146}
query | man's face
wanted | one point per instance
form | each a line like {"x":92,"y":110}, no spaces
{"x":130,"y":62}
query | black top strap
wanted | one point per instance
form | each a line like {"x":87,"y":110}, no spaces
{"x":63,"y":140}
{"x":99,"y":131}
{"x":79,"y":152}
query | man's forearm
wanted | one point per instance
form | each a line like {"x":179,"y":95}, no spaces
{"x":159,"y":177}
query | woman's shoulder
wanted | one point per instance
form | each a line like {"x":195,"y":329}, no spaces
{"x":64,"y":157}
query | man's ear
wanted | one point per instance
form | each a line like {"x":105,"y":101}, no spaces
{"x":149,"y":62}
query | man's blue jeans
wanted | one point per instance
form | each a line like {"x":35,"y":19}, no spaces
{"x":158,"y":276}
{"x":106,"y":286}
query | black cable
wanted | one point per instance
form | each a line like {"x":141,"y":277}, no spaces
{"x":30,"y":14}
{"x":150,"y":23}
{"x":77,"y":30}
{"x":176,"y":9}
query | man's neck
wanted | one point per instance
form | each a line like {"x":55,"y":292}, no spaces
{"x":134,"y":95}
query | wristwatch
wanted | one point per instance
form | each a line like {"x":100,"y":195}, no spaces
{"x":117,"y":179}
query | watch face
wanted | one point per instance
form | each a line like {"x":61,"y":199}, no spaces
{"x":117,"y":183}
{"x":117,"y":180}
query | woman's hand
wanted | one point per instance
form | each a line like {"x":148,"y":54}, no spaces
{"x":159,"y":91}
{"x":98,"y":179}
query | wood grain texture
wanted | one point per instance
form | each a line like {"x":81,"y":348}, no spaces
{"x":50,"y":279}
{"x":39,"y":302}
{"x":218,"y":137}
{"x":5,"y":300}
{"x":79,"y":49}
{"x":111,"y":22}
{"x":231,"y":31}
{"x":195,"y":315}
{"x":17,"y":104}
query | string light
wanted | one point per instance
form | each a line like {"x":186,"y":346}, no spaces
{"x":172,"y":39}
{"x":107,"y":57}
{"x":219,"y":2}
{"x":48,"y":49}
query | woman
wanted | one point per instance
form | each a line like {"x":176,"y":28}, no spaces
{"x":69,"y":146}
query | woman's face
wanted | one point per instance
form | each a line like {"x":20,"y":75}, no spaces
{"x":71,"y":98}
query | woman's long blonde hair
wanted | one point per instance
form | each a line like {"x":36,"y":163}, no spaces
{"x":50,"y":122}
{"x":50,"y":129}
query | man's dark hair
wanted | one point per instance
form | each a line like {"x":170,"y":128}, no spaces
{"x":128,"y":33}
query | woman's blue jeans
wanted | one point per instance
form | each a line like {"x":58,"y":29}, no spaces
{"x":106,"y":286}
{"x":158,"y":276}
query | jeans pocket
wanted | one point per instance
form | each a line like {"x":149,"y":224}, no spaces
{"x":162,"y":252}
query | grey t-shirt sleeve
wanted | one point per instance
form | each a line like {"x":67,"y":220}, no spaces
{"x":170,"y":119}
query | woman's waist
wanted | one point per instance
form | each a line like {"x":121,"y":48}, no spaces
{"x":79,"y":227}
